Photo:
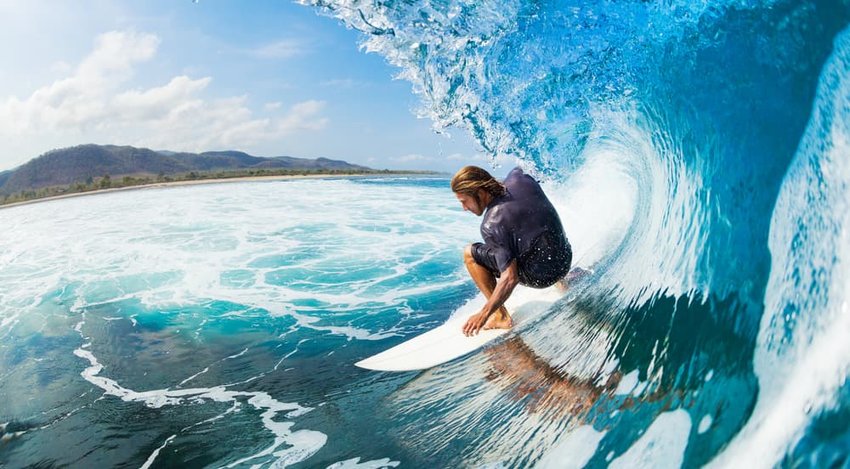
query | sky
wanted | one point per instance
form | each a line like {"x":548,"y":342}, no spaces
{"x":267,"y":77}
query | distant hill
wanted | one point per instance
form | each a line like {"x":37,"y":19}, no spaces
{"x":77,"y":164}
{"x":4,"y":175}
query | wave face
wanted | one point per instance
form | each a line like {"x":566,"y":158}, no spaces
{"x":698,"y":151}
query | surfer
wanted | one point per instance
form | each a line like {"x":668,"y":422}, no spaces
{"x":524,"y":241}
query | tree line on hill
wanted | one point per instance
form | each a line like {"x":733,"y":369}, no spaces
{"x":94,"y":167}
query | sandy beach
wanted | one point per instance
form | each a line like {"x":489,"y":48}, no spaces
{"x":157,"y":185}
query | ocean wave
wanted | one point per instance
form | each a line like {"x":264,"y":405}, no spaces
{"x":697,"y":153}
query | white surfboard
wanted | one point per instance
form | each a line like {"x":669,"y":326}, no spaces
{"x":447,"y":342}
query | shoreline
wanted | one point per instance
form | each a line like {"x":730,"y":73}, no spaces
{"x":159,"y":185}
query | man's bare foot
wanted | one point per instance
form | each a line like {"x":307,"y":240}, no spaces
{"x":562,"y":285}
{"x":499,"y":320}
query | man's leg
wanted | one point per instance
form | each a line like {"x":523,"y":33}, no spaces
{"x":486,"y":282}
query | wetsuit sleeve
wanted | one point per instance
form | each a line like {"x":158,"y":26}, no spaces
{"x":499,"y":244}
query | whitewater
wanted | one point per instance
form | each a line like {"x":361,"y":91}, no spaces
{"x":698,"y":155}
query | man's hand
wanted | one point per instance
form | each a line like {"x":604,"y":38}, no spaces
{"x":475,"y":323}
{"x":504,"y":287}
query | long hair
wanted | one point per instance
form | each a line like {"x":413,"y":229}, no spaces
{"x":471,"y":178}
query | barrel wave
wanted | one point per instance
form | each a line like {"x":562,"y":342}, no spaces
{"x":699,"y":154}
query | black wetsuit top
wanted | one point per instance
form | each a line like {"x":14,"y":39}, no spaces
{"x":522,"y":224}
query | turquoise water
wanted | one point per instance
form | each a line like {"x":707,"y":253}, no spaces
{"x":219,"y":324}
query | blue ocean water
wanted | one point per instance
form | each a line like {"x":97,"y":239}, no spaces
{"x":698,"y":155}
{"x":722,"y":288}
{"x":218,"y":324}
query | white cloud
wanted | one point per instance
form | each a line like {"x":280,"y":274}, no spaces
{"x":97,"y":102}
{"x":154,"y":103}
{"x":115,"y":53}
{"x":304,"y":116}
{"x":228,"y":123}
{"x":81,"y":99}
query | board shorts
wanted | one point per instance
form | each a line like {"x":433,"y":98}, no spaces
{"x":544,"y":264}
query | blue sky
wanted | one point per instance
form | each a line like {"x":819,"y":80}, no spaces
{"x":267,"y":77}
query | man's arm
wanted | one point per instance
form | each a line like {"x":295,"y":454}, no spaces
{"x":508,"y":280}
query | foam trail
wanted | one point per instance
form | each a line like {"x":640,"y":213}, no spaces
{"x":303,"y":443}
{"x":355,"y":463}
{"x":181,"y":383}
{"x":153,"y":455}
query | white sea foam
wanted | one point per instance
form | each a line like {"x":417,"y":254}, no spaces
{"x":662,"y":446}
{"x":627,"y":383}
{"x":193,"y":376}
{"x":250,"y":244}
{"x":302,"y":443}
{"x":153,"y":455}
{"x":704,"y":424}
{"x":581,"y":205}
{"x":573,"y":450}
{"x":355,"y":463}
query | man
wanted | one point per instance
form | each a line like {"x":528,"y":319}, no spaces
{"x":524,"y":240}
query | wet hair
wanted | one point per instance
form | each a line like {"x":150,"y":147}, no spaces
{"x":471,"y":178}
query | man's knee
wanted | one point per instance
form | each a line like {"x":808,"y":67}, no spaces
{"x":467,"y":255}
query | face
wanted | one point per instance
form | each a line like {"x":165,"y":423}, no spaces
{"x":469,"y":204}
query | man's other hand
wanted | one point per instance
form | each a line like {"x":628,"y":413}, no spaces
{"x":475,"y":323}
